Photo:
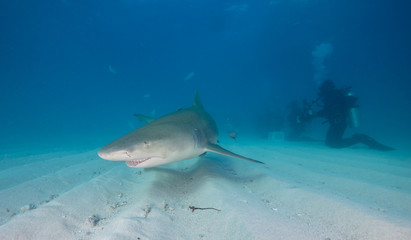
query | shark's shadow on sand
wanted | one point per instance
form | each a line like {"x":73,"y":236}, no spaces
{"x":176,"y":182}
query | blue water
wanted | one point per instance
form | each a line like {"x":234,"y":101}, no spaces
{"x":72,"y":73}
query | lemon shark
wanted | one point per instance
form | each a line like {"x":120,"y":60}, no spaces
{"x":181,"y":135}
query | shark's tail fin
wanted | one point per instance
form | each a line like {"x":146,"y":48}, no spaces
{"x":197,"y":101}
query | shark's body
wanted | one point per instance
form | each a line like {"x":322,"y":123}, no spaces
{"x":181,"y":135}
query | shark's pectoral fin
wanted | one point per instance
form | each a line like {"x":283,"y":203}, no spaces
{"x":144,"y":118}
{"x":217,"y":149}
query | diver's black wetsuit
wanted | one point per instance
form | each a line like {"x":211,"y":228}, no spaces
{"x":337,"y":104}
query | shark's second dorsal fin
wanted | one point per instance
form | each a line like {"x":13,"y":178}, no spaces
{"x":197,"y":101}
{"x":144,"y":118}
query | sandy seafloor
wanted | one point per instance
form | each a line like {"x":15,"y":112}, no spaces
{"x":304,"y":191}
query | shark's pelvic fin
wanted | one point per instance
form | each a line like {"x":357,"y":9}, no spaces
{"x":144,"y":118}
{"x":217,"y":149}
{"x":197,"y":101}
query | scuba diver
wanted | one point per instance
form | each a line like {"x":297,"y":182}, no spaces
{"x":338,"y":108}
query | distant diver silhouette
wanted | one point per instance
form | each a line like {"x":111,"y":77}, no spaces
{"x":338,"y":106}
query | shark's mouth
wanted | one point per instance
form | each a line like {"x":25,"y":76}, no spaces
{"x":134,"y":163}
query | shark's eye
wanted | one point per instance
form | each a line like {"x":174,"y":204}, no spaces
{"x":146,"y":144}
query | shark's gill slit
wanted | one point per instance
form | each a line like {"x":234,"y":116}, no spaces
{"x":196,"y":137}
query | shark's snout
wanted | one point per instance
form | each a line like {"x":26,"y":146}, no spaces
{"x":103,"y":154}
{"x":113,"y":155}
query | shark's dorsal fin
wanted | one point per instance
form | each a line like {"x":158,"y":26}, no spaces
{"x":197,"y":101}
{"x":217,"y":149}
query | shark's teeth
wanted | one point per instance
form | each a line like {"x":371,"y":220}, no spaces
{"x":134,"y":163}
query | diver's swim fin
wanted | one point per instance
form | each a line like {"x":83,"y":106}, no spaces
{"x":372,"y":143}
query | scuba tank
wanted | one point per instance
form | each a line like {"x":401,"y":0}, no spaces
{"x":353,"y":120}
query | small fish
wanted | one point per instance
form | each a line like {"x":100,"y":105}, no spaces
{"x":189,"y":76}
{"x":232,"y":135}
{"x":112,"y":69}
